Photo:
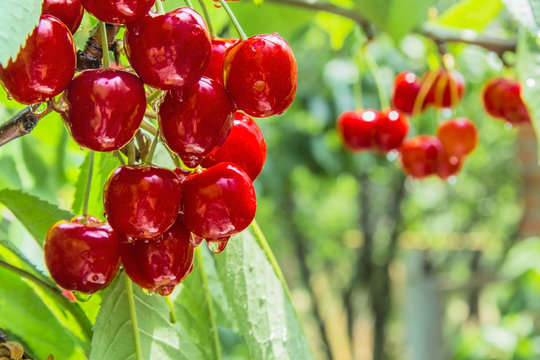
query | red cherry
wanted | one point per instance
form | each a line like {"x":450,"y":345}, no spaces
{"x":193,"y":121}
{"x":446,"y":90}
{"x":118,"y":11}
{"x":355,"y":129}
{"x":390,"y":130}
{"x":449,"y":166}
{"x":215,"y":67}
{"x":181,"y":173}
{"x":502,"y":99}
{"x":459,"y":137}
{"x":260,"y":74}
{"x":106,"y":107}
{"x":404,"y":92}
{"x":421,"y":156}
{"x":70,"y":12}
{"x":245,"y":147}
{"x":141,"y":202}
{"x":218,"y":202}
{"x":82,"y":254}
{"x":45,"y":65}
{"x":169,"y":50}
{"x":159,"y":264}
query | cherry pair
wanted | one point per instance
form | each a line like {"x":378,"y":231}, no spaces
{"x":502,"y":100}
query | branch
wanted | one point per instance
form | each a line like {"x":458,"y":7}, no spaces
{"x":20,"y":124}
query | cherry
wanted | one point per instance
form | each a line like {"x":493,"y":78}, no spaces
{"x":245,"y":147}
{"x":106,"y":107}
{"x":260,"y":74}
{"x":181,"y":173}
{"x":82,"y":254}
{"x":169,"y":50}
{"x":421,"y":156}
{"x":405,"y":91}
{"x":449,"y":166}
{"x":118,"y":11}
{"x":218,"y":202}
{"x":390,"y":130}
{"x":446,"y":90}
{"x":159,"y":264}
{"x":459,"y":137}
{"x":215,"y":67}
{"x":70,"y":12}
{"x":141,"y":202}
{"x":502,"y":99}
{"x":45,"y":65}
{"x":194,"y":120}
{"x":355,"y":129}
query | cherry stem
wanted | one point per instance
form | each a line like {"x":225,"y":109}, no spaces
{"x":188,"y":3}
{"x":172,"y":311}
{"x":207,"y":18}
{"x":88,"y":183}
{"x":374,"y":69}
{"x":422,"y":93}
{"x":153,"y":96}
{"x":233,"y":19}
{"x":119,"y":157}
{"x":152,"y":150}
{"x":159,"y":7}
{"x":131,"y":152}
{"x":133,"y":315}
{"x":104,"y":45}
{"x":357,"y":93}
{"x":146,"y":125}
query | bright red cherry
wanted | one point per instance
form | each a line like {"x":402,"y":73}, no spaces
{"x":447,"y":88}
{"x":70,"y":12}
{"x":118,"y":11}
{"x":405,"y":91}
{"x":159,"y":264}
{"x":45,"y":65}
{"x":502,"y":99}
{"x":459,"y":137}
{"x":218,"y":202}
{"x":141,"y":202}
{"x":390,"y":130}
{"x":421,"y":156}
{"x":193,"y":121}
{"x":169,"y":50}
{"x":245,"y":147}
{"x":260,"y":74}
{"x":449,"y":166}
{"x":355,"y":129}
{"x":215,"y":67}
{"x":106,"y":107}
{"x":82,"y":254}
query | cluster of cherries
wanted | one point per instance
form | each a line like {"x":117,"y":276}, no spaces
{"x":155,"y":216}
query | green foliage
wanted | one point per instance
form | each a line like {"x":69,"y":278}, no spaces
{"x":471,"y":14}
{"x":522,"y":11}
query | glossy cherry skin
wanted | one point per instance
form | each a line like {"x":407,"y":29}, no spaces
{"x":141,"y":202}
{"x":260,"y":74}
{"x":355,"y":129}
{"x":193,"y":121}
{"x":459,"y":137}
{"x":106,"y":107}
{"x":118,"y":11}
{"x":82,"y":254}
{"x":502,"y":99}
{"x":405,"y":91}
{"x":218,"y":202}
{"x":161,"y":263}
{"x":169,"y":50}
{"x":70,"y":12}
{"x":245,"y":147}
{"x":446,"y":90}
{"x":390,"y":130}
{"x":421,"y":156}
{"x":45,"y":65}
{"x":449,"y":166}
{"x":215,"y":67}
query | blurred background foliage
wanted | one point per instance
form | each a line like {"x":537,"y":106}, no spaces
{"x":380,"y":266}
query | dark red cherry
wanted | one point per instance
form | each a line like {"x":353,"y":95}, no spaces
{"x":169,"y":50}
{"x":215,"y":67}
{"x":193,"y":121}
{"x":161,"y":263}
{"x":70,"y":12}
{"x":141,"y":202}
{"x":260,"y":74}
{"x":502,"y":99}
{"x":390,"y":130}
{"x":82,"y":254}
{"x":405,"y":91}
{"x":106,"y":107}
{"x":245,"y":147}
{"x":459,"y":137}
{"x":355,"y":129}
{"x":45,"y":65}
{"x":446,"y":90}
{"x":449,"y":166}
{"x":218,"y":202}
{"x":421,"y":156}
{"x":118,"y":11}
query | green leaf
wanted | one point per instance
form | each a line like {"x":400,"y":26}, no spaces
{"x":522,"y":12}
{"x":36,"y":215}
{"x":336,"y":27}
{"x":259,"y":302}
{"x":471,"y":14}
{"x":159,"y":338}
{"x":17,"y":20}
